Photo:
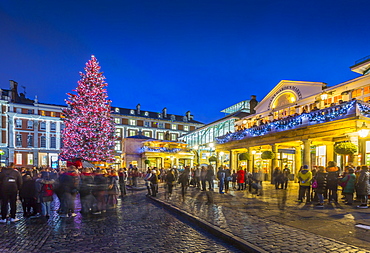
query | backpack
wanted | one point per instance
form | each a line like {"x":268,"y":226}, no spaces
{"x":47,"y":190}
{"x":10,"y":182}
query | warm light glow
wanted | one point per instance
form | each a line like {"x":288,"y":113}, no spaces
{"x":292,"y":99}
{"x":211,"y":145}
{"x":222,"y":153}
{"x":364,"y":131}
{"x":254,"y":152}
{"x":324,"y":96}
{"x":244,"y":122}
{"x":196,"y":147}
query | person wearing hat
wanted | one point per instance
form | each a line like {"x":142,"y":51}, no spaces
{"x":304,"y":177}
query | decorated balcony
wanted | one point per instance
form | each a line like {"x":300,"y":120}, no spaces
{"x":314,"y":117}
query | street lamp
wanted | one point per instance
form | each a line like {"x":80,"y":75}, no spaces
{"x":364,"y":131}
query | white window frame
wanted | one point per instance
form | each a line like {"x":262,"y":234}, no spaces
{"x":41,"y":141}
{"x":132,"y":122}
{"x":43,"y":125}
{"x":186,"y":128}
{"x":173,"y":137}
{"x":147,"y":134}
{"x":146,"y":123}
{"x":18,"y":144}
{"x":173,"y":127}
{"x":29,"y":159}
{"x":30,"y":141}
{"x":30,"y":124}
{"x":53,"y":140}
{"x":160,"y":125}
{"x":160,"y":136}
{"x":117,"y":120}
{"x":117,"y":146}
{"x":18,"y":158}
{"x":18,"y":123}
{"x":130,"y":132}
{"x":53,"y":126}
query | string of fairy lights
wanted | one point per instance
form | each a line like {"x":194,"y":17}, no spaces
{"x":314,"y":117}
{"x":89,"y":128}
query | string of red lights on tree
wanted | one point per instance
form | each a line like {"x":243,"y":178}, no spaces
{"x":89,"y":128}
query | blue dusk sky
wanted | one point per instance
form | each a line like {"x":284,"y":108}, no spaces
{"x":190,"y":55}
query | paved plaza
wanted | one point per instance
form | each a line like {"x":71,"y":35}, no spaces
{"x":137,"y":225}
{"x":200,"y":222}
{"x":275,"y":221}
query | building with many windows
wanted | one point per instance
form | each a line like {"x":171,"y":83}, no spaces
{"x":31,"y":131}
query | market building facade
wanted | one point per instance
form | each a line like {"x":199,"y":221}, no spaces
{"x":301,"y":123}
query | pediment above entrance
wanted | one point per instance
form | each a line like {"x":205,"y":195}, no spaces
{"x":288,"y":93}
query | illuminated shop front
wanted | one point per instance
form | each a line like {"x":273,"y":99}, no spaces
{"x":302,"y":123}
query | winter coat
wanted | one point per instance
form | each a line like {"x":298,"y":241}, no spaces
{"x":39,"y":185}
{"x":14,"y":180}
{"x":363,"y":185}
{"x":113,"y":187}
{"x":86,"y":184}
{"x":240,"y":178}
{"x":321,"y":179}
{"x":210,"y":174}
{"x":350,"y":186}
{"x":305,"y":177}
{"x":28,"y":190}
{"x":170,"y":178}
{"x":277,"y":176}
{"x":333,"y":175}
{"x":286,"y":173}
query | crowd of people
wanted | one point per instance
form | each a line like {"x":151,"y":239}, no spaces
{"x":99,"y":189}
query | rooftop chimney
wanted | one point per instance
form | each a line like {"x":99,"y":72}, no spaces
{"x":164,"y":112}
{"x":253,"y":103}
{"x":138,"y":109}
{"x":189,"y":116}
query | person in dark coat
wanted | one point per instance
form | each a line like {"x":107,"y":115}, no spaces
{"x":10,"y":183}
{"x":184,"y":180}
{"x":286,"y":173}
{"x":332,"y":181}
{"x":154,"y":182}
{"x":321,"y":181}
{"x":278,"y":178}
{"x":210,"y":176}
{"x":68,"y":186}
{"x":363,"y":186}
{"x":27,"y":194}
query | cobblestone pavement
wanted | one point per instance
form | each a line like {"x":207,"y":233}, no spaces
{"x":276,"y":222}
{"x":137,"y":225}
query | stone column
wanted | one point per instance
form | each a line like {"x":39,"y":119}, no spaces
{"x":307,"y":153}
{"x":250,"y":161}
{"x":329,"y":152}
{"x":275,"y":161}
{"x":231,"y":159}
{"x":297,"y":162}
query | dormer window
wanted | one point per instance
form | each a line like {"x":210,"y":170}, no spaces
{"x":132,"y":112}
{"x":159,"y":115}
{"x":117,"y":109}
{"x":146,"y":113}
{"x":173,"y":118}
{"x":185,"y":119}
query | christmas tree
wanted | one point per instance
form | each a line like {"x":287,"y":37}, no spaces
{"x":89,"y":128}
